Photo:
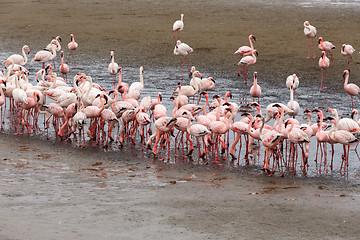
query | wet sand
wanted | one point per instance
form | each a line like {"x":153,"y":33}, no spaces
{"x":50,"y":190}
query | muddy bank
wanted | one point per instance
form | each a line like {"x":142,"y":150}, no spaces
{"x":52,"y":191}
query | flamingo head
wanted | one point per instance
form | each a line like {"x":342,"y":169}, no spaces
{"x":211,"y":79}
{"x":216,"y":96}
{"x":355,"y":111}
{"x":58,"y":38}
{"x":256,"y":52}
{"x":346,"y":73}
{"x":255,"y":74}
{"x":320,"y":40}
{"x":306,"y":23}
{"x":253,"y":37}
{"x":27,"y":48}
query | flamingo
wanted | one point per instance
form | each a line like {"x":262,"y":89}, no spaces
{"x":184,"y":50}
{"x":178,"y":26}
{"x":350,"y":88}
{"x":294,"y":80}
{"x":245,"y":50}
{"x":347,"y":50}
{"x":207,"y":84}
{"x":136,"y":88}
{"x":72,"y":46}
{"x":324,"y":63}
{"x":345,"y":138}
{"x":64,"y":67}
{"x":58,"y":46}
{"x":44,"y":56}
{"x":18,"y":59}
{"x":247,"y":60}
{"x":113,"y":68}
{"x":327,"y":47}
{"x":292,"y":104}
{"x":255,"y":90}
{"x":2,"y":101}
{"x":310,"y":32}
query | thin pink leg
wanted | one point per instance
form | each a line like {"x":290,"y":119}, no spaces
{"x":325,"y":79}
{"x":308,"y":49}
{"x":312,"y":39}
{"x":321,"y":80}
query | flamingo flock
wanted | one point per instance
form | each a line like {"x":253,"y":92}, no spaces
{"x":85,"y":112}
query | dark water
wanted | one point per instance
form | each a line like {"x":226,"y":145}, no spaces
{"x":164,"y":80}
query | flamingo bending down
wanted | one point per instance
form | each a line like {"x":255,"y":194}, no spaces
{"x":255,"y":90}
{"x":324,"y":63}
{"x":18,"y":59}
{"x":350,"y":88}
{"x":310,"y":32}
{"x":72,"y":46}
{"x":327,"y":47}
{"x":347,"y":50}
{"x":184,"y":50}
{"x":178,"y":26}
{"x":113,"y":68}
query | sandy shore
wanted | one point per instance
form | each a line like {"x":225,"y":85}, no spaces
{"x":50,"y":190}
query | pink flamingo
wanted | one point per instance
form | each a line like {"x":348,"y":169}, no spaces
{"x":18,"y":59}
{"x":297,"y":136}
{"x":143,"y":119}
{"x":246,"y":61}
{"x":178,"y":26}
{"x":2,"y":102}
{"x":207,"y":84}
{"x":184,"y":50}
{"x":72,"y":46}
{"x":347,"y":50}
{"x":113,"y":68}
{"x":245,"y":50}
{"x":70,"y":112}
{"x":270,"y":140}
{"x":109,"y":117}
{"x":345,"y":138}
{"x":162,"y":126}
{"x":324,"y":63}
{"x":310,"y":32}
{"x":322,"y":138}
{"x":350,"y":88}
{"x":44,"y":56}
{"x":64,"y":67}
{"x":327,"y":47}
{"x":255,"y":90}
{"x":292,"y":81}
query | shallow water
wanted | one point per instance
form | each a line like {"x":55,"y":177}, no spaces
{"x":164,"y":80}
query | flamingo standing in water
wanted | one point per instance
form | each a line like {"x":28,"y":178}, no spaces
{"x":347,"y":50}
{"x":178,"y":26}
{"x":255,"y":90}
{"x":44,"y":56}
{"x":184,"y":50}
{"x":324,"y":63}
{"x":327,"y":47}
{"x":58,"y":46}
{"x":294,"y":81}
{"x":350,"y":88}
{"x":310,"y":32}
{"x":64,"y":67}
{"x":72,"y":46}
{"x":18,"y":59}
{"x":113,"y":68}
{"x":246,"y":61}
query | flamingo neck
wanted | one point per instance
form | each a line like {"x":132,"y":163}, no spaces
{"x":25,"y":56}
{"x":206,"y":103}
{"x":141,"y":77}
{"x":175,"y":108}
{"x":9,"y":71}
{"x":346,"y":80}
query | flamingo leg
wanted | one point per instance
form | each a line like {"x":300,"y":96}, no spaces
{"x":322,"y":77}
{"x":308,"y":57}
{"x":312,"y":39}
{"x":325,"y":79}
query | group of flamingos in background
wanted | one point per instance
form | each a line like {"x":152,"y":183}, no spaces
{"x":217,"y":131}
